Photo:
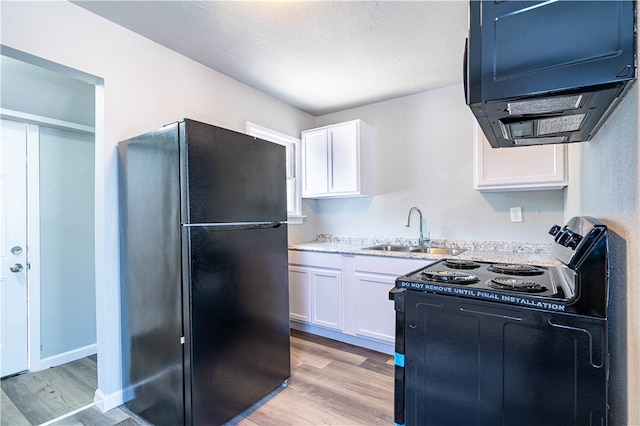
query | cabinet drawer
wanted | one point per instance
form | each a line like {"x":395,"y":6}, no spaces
{"x":390,"y":266}
{"x":309,"y":258}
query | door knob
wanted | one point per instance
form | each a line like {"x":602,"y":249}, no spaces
{"x":16,"y":268}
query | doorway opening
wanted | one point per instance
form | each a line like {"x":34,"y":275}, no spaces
{"x":58,"y":112}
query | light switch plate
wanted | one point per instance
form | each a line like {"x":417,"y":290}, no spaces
{"x":516,"y":214}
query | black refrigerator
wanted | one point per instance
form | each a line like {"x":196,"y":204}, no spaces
{"x":204,"y":290}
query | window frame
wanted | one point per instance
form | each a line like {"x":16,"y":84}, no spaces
{"x":293,"y":146}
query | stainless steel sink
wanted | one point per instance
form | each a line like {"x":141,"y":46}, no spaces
{"x":437,"y":250}
{"x":389,"y":247}
{"x":433,"y":250}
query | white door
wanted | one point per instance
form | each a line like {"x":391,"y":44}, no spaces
{"x":13,"y":239}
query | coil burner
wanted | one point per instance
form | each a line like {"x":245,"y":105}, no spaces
{"x":453,"y":277}
{"x":514,"y":269}
{"x":516,"y":284}
{"x":461,"y":264}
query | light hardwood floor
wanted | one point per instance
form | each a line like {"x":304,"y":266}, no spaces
{"x":38,"y":398}
{"x":331,"y":383}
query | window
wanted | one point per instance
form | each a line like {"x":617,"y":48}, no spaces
{"x":292,"y":145}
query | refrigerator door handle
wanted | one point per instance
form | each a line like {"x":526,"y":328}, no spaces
{"x":235,"y":225}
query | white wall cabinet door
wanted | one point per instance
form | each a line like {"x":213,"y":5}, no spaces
{"x":523,"y":168}
{"x":337,"y":160}
{"x":315,"y":164}
{"x":344,"y":176}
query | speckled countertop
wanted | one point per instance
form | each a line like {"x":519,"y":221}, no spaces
{"x":484,"y":251}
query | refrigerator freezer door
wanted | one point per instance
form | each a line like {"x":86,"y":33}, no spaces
{"x":230,"y":177}
{"x":238,"y":347}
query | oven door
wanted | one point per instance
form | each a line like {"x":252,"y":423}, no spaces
{"x":397,"y":295}
{"x":472,"y":362}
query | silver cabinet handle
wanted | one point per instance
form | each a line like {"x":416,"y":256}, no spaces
{"x":16,"y":268}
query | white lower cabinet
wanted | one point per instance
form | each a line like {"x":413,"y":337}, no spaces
{"x":374,"y":278}
{"x":346,"y":297}
{"x":315,"y":288}
{"x":326,"y":298}
{"x":375,"y":316}
{"x":299,"y":294}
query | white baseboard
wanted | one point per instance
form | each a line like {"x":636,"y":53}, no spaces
{"x":106,"y":402}
{"x":64,"y":357}
{"x":386,"y":348}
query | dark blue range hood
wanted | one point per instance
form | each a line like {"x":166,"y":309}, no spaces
{"x":544,"y":72}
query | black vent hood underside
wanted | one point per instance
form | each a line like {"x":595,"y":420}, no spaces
{"x":544,"y":72}
{"x":562,"y":117}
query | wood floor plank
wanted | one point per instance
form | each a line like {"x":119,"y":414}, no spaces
{"x":373,"y":365}
{"x":340,"y":346}
{"x":10,"y":414}
{"x":300,"y":356}
{"x":331,"y":385}
{"x":292,"y":407}
{"x":359,"y":398}
{"x":371,"y":389}
{"x":286,"y":414}
{"x":94,"y":417}
{"x":51,"y":393}
{"x":84,"y":370}
{"x":306,"y":352}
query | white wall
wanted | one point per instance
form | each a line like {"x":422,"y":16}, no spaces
{"x":423,"y":157}
{"x":145,"y":87}
{"x":606,"y":184}
{"x":67,"y":267}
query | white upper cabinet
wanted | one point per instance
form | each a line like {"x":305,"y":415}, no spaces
{"x":337,"y":160}
{"x":524,"y":168}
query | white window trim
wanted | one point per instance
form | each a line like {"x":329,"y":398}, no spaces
{"x":255,"y":130}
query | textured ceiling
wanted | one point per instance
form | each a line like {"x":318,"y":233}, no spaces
{"x":320,"y":56}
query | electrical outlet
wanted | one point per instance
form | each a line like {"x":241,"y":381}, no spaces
{"x":516,"y":214}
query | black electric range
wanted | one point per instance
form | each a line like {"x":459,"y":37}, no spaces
{"x":487,"y":343}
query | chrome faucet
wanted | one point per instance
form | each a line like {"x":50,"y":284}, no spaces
{"x":421,"y":236}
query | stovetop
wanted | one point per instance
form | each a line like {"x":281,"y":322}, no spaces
{"x":549,"y":288}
